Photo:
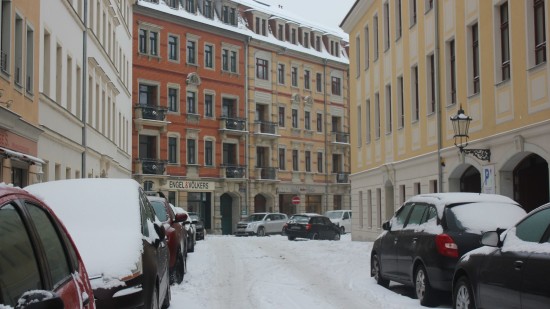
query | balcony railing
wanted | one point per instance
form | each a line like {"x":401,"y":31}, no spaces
{"x":153,"y":166}
{"x":4,"y":61}
{"x":342,"y":177}
{"x":340,"y":137}
{"x":268,"y":173}
{"x":234,"y":171}
{"x":267,"y":127}
{"x":152,"y":112}
{"x":236,"y":124}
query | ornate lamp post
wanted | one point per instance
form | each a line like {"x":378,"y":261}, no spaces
{"x":461,"y":125}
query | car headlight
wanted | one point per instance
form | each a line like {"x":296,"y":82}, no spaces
{"x":251,"y":225}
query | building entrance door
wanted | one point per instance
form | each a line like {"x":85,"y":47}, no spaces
{"x":226,"y":210}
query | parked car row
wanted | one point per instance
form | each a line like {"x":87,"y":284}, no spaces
{"x":434,"y":243}
{"x":90,"y":243}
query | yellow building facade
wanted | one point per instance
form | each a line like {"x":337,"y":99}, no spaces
{"x":413,"y":65}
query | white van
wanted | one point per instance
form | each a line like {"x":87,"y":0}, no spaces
{"x":342,"y":218}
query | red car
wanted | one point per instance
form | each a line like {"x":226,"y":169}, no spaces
{"x":176,"y":236}
{"x":39,"y":262}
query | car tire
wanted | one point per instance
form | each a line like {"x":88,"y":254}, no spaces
{"x":376,"y":272}
{"x":167,"y":296}
{"x":291,"y":237}
{"x":192,"y":247}
{"x":261,"y":231}
{"x":314,"y":236}
{"x":463,"y":297}
{"x":179,"y":269}
{"x":422,"y":288}
{"x":336,"y":236}
{"x":342,"y":230}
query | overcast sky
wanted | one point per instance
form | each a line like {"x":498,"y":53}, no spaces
{"x":328,"y":13}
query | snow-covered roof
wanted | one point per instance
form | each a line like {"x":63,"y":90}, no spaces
{"x":242,"y":28}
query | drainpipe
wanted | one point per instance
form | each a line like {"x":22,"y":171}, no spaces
{"x":84,"y":89}
{"x":325,"y":61}
{"x":247,"y":150}
{"x":437,"y":99}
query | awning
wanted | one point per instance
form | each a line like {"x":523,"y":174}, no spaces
{"x":21,"y":156}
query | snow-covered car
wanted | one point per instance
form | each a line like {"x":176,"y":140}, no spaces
{"x":422,"y":243}
{"x":198,"y":223}
{"x":40,"y":266}
{"x":261,"y":224}
{"x":342,"y":218}
{"x":120,"y":239}
{"x":189,"y":227}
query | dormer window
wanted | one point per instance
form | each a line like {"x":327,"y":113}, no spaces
{"x":207,"y":9}
{"x":280,"y":33}
{"x":190,"y":6}
{"x":261,"y":26}
{"x":318,"y":43}
{"x":306,"y":40}
{"x":229,"y":15}
{"x":293,"y":36}
{"x":257,"y":25}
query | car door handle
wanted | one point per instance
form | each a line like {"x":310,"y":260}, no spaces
{"x":518,"y":265}
{"x":85,"y":299}
{"x":414,"y":239}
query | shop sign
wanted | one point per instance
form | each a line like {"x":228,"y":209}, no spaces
{"x":300,"y":189}
{"x":191,"y":185}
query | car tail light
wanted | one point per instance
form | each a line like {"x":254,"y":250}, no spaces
{"x":285,"y":226}
{"x":446,"y":246}
{"x":308,"y":227}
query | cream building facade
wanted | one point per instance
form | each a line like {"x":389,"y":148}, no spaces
{"x":414,"y":65}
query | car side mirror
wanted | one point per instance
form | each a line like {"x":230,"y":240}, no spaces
{"x":181,"y":217}
{"x":491,"y":239}
{"x":386,"y":226}
{"x":161,"y":232}
{"x":40,"y":299}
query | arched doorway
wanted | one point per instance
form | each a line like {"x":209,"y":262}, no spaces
{"x":260,"y":203}
{"x":470,"y":181}
{"x":226,"y":211}
{"x":531,"y":188}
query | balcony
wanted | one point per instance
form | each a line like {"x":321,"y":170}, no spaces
{"x":266,"y":129}
{"x":150,"y":115}
{"x":233,"y":171}
{"x":151,"y":166}
{"x":236,"y":126}
{"x":340,"y":138}
{"x":4,"y":61}
{"x":342,"y":178}
{"x":266,"y":173}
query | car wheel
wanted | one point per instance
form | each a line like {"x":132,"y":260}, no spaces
{"x":155,"y":298}
{"x":314,"y":236}
{"x":342,"y":230}
{"x":291,"y":238}
{"x":376,"y":273}
{"x":463,"y":298}
{"x":179,"y":271}
{"x":423,"y":290}
{"x":192,"y":247}
{"x":261,"y":232}
{"x":167,"y":296}
{"x":336,"y":236}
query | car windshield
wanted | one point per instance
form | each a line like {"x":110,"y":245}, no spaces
{"x":255,"y":217}
{"x":300,"y":219}
{"x":194,"y":217}
{"x":481,"y":217}
{"x":160,"y":211}
{"x":334,"y":214}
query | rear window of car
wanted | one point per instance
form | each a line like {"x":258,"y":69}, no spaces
{"x":255,"y":217}
{"x":481,"y":217}
{"x":334,"y":214}
{"x":160,"y":211}
{"x":300,"y":219}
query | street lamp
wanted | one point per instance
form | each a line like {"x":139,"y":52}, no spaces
{"x":461,"y":124}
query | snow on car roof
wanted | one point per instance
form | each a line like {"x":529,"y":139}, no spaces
{"x":103,"y":217}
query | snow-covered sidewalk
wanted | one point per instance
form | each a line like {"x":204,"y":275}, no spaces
{"x":272,"y":272}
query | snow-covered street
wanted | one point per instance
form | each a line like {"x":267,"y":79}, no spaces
{"x":272,"y":272}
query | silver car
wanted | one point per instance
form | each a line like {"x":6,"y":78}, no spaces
{"x":261,"y":224}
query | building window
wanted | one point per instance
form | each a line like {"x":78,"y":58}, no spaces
{"x":257,"y":25}
{"x":367,"y":121}
{"x":295,"y":160}
{"x":359,"y":126}
{"x":173,"y":99}
{"x":475,"y":58}
{"x":191,"y":102}
{"x":281,"y":74}
{"x":173,"y":47}
{"x":319,"y":82}
{"x":294,"y":76}
{"x":306,"y":79}
{"x":319,"y":122}
{"x":208,"y":153}
{"x":319,"y":162}
{"x":147,"y":95}
{"x":412,"y":13}
{"x":431,"y":84}
{"x":429,"y":5}
{"x":504,"y":42}
{"x":294,"y":118}
{"x":293,"y":36}
{"x":282,"y":159}
{"x":264,"y":27}
{"x":208,"y":59}
{"x":233,"y":62}
{"x":398,"y":21}
{"x":190,"y":6}
{"x":318,"y":43}
{"x":540,"y":32}
{"x":261,"y":69}
{"x":153,"y":41}
{"x":366,"y":52}
{"x":375,"y":38}
{"x":172,"y":149}
{"x":281,"y":116}
{"x":208,"y":105}
{"x":400,"y":103}
{"x":148,"y":42}
{"x":336,"y":86}
{"x":307,"y":157}
{"x":414,"y":102}
{"x":191,"y":151}
{"x":207,"y":11}
{"x":389,"y":120}
{"x":30,"y":66}
{"x":191,"y":52}
{"x":357,"y":57}
{"x":386,"y":26}
{"x":377,"y":115}
{"x":225,"y":59}
{"x":142,"y":41}
{"x":452,"y":71}
{"x":306,"y":40}
{"x":307,"y":120}
{"x":280,"y":33}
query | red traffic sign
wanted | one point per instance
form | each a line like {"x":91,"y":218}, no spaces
{"x":296,"y":200}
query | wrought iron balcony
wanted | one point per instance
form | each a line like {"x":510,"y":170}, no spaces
{"x":233,"y":124}
{"x":234,"y":171}
{"x":340,"y":137}
{"x":267,"y":173}
{"x":341,"y":177}
{"x":152,"y":112}
{"x":153,"y":166}
{"x":266,"y":129}
{"x":4,"y":61}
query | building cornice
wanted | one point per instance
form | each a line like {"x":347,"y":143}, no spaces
{"x":357,"y":11}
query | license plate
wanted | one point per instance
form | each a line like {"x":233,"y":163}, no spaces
{"x":294,"y":227}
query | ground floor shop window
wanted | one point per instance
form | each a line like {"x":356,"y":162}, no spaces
{"x":313,"y":203}
{"x":337,"y":202}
